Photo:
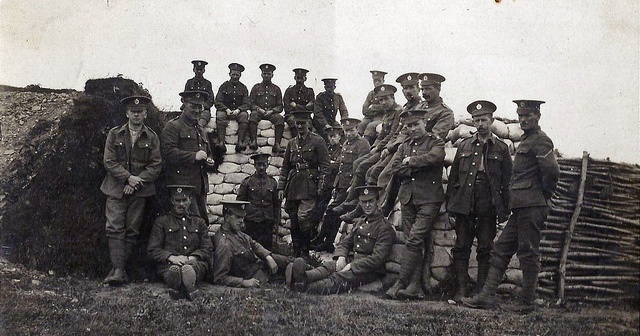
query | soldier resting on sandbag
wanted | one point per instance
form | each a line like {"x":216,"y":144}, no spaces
{"x":360,"y":257}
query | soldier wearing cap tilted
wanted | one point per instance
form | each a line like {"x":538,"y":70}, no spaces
{"x":326,"y":107}
{"x":387,"y":101}
{"x":418,"y":163}
{"x":297,"y":97}
{"x":199,"y":83}
{"x":439,"y":117}
{"x":180,"y":245}
{"x":232,"y":102}
{"x":133,"y":162}
{"x":354,"y":147}
{"x":371,"y":109}
{"x":478,"y":194}
{"x":185,"y":149}
{"x":303,"y":180}
{"x":360,"y":256}
{"x":266,"y":104}
{"x":240,"y":261}
{"x":533,"y":181}
{"x":263,"y":210}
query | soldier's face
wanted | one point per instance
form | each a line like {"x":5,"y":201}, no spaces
{"x":267,"y":75}
{"x":180,"y":204}
{"x":198,"y":71}
{"x":483,"y":124}
{"x":302,"y":127}
{"x":300,"y":79}
{"x":335,"y":138}
{"x":235,"y":75}
{"x":416,"y":129}
{"x":430,"y":93}
{"x":411,"y":92}
{"x":528,"y":120}
{"x":136,"y":117}
{"x":377,"y":82}
{"x":261,"y":168}
{"x":192,"y":109}
{"x":386,"y":101}
{"x":369,"y":206}
{"x":351,"y":133}
{"x":235,"y":222}
{"x":330,"y":88}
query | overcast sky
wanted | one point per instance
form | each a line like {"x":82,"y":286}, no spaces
{"x":582,"y":57}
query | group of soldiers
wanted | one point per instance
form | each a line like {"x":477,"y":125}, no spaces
{"x":352,"y":171}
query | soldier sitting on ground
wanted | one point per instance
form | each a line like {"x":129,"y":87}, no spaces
{"x":240,"y":261}
{"x":179,"y":243}
{"x":360,"y":257}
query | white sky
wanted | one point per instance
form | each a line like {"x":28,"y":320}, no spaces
{"x":582,"y":57}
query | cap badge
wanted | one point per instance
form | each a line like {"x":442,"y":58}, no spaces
{"x":479,"y":106}
{"x":179,"y":190}
{"x":199,"y":63}
{"x":521,"y":104}
{"x":197,"y":95}
{"x":425,"y":77}
{"x":409,"y":77}
{"x":136,"y":101}
{"x":242,"y":206}
{"x":382,"y":88}
{"x":346,"y":122}
{"x":366,"y":191}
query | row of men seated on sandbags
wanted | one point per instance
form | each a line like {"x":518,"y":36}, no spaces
{"x":185,"y":254}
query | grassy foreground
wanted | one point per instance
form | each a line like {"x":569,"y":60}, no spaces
{"x":33,"y":303}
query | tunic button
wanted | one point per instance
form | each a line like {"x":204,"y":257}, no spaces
{"x":469,"y":184}
{"x":473,"y":163}
{"x":476,"y":153}
{"x":185,"y":237}
{"x":184,"y":219}
{"x":434,"y":182}
{"x":360,"y":227}
{"x":184,"y":227}
{"x":358,"y":245}
{"x":185,"y":247}
{"x":471,"y":173}
{"x":413,"y":179}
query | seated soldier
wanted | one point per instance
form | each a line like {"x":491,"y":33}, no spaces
{"x":240,"y":261}
{"x":179,"y":243}
{"x":361,"y":256}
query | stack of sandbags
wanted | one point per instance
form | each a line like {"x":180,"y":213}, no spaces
{"x":235,"y":167}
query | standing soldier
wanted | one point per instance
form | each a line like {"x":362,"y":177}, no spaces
{"x":418,"y":163}
{"x":478,"y":194}
{"x":232,"y":102}
{"x":360,"y":257}
{"x":371,"y":109}
{"x":326,"y":107}
{"x":199,"y":83}
{"x":185,"y":148}
{"x":180,"y":245}
{"x":240,"y":261}
{"x":132,"y":160}
{"x":263,"y":209}
{"x":354,"y":147}
{"x":297,"y":97}
{"x":533,"y":182}
{"x":266,"y":104}
{"x":303,"y":180}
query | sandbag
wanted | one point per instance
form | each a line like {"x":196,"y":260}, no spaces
{"x":500,"y":129}
{"x":515,"y":132}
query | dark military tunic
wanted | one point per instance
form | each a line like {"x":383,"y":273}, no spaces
{"x":232,"y":96}
{"x":305,"y":167}
{"x":267,"y":97}
{"x":299,"y":94}
{"x":181,"y":139}
{"x":201,"y":84}
{"x":326,"y":108}
{"x":351,"y":150}
{"x":496,"y":162}
{"x":179,"y":235}
{"x":439,"y":118}
{"x":390,"y":121}
{"x":371,"y":107}
{"x":262,"y":195}
{"x":237,"y":257}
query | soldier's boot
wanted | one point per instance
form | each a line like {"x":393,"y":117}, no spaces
{"x":253,"y":134}
{"x":350,"y":216}
{"x":188,"y":276}
{"x":483,"y":270}
{"x":408,"y":265}
{"x":241,"y":144}
{"x":392,"y":293}
{"x":414,"y":291}
{"x":117,"y":254}
{"x":299,"y":280}
{"x":221,"y":132}
{"x":486,"y":298}
{"x":526,"y":304}
{"x":173,"y":279}
{"x":461,"y":268}
{"x":276,"y":146}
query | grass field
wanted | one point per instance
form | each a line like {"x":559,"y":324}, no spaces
{"x":32,"y":303}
